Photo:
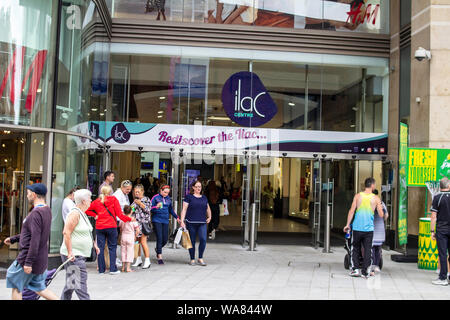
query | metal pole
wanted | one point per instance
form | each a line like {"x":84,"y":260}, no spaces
{"x":174,"y":225}
{"x":3,"y":199}
{"x":326,"y":245}
{"x":252,"y":228}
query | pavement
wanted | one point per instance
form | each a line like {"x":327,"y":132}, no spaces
{"x":272,"y":272}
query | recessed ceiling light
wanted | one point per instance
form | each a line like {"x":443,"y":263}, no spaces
{"x":94,"y":109}
{"x":160,"y":112}
{"x":162,"y":98}
{"x":355,"y":109}
{"x":102,"y":114}
{"x":4,"y":145}
{"x":291,"y":104}
{"x":352,"y":126}
{"x":42,"y":143}
{"x":159,"y":116}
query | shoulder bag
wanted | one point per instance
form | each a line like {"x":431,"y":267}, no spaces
{"x":93,"y":255}
{"x":115,"y":219}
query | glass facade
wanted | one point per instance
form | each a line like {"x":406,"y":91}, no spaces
{"x":27,"y":55}
{"x":83,"y":71}
{"x":316,"y":95}
{"x":371,"y":16}
{"x":107,"y":81}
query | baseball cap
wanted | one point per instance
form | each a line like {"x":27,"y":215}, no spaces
{"x":38,"y":188}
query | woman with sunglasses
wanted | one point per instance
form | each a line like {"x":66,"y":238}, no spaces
{"x":197,"y":213}
{"x":161,"y":209}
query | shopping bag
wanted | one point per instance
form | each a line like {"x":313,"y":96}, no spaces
{"x":186,"y":240}
{"x":222,"y":209}
{"x":225,"y":207}
{"x":136,"y":250}
{"x":178,"y":236}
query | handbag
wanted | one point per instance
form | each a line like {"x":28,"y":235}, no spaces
{"x":146,"y":228}
{"x":93,"y":255}
{"x":186,"y":240}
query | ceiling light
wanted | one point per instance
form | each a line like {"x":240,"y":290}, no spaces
{"x":35,"y":140}
{"x":355,"y":109}
{"x":94,"y":109}
{"x":42,"y":143}
{"x":219,"y":118}
{"x":6,"y":160}
{"x":160,"y":112}
{"x":39,"y":90}
{"x":291,"y":104}
{"x":352,"y":126}
{"x":4,"y":145}
{"x":159,"y":117}
{"x":102,"y":114}
{"x":162,"y":98}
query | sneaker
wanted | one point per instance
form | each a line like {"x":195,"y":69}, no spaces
{"x":115,"y":272}
{"x":440,"y":282}
{"x":213,"y":234}
{"x":377,"y":269}
{"x":138,"y":262}
{"x":355,"y":273}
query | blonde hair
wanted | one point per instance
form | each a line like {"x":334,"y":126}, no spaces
{"x":139,"y":186}
{"x":105,"y":191}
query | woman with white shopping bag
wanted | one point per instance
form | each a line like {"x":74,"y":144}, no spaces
{"x":197,"y":214}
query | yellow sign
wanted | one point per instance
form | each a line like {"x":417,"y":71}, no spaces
{"x":421,"y":166}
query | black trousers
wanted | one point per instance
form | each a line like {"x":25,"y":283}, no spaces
{"x":361,"y":239}
{"x":215,"y":217}
{"x":442,"y":238}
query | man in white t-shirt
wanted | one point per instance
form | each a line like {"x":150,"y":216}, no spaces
{"x":68,"y":203}
{"x":121,"y":195}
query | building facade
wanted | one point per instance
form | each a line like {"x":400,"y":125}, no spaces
{"x":86,"y":83}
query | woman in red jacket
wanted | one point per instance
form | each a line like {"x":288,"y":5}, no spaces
{"x":106,"y":209}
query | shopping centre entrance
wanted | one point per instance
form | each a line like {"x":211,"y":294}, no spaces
{"x":274,"y":200}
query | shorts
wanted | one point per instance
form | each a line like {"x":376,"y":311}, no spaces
{"x":16,"y":278}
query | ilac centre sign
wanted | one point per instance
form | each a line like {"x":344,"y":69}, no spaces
{"x":246,"y":100}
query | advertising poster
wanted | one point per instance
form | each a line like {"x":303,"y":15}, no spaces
{"x":427,"y":165}
{"x":403,"y":189}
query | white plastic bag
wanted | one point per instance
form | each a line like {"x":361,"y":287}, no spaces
{"x":225,"y":207}
{"x":178,"y":235}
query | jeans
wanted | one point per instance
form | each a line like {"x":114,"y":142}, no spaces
{"x":162,"y":235}
{"x":109,"y":235}
{"x":195,"y":229}
{"x":442,"y":238}
{"x":364,"y":239}
{"x":376,"y":255}
{"x":76,"y":279}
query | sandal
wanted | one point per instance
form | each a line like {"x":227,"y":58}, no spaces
{"x":192,"y":263}
{"x":203,"y":264}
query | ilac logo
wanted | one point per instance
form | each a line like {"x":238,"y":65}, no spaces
{"x":246,"y":100}
{"x":120,"y":133}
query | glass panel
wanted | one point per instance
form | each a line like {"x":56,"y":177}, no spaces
{"x":12,"y":146}
{"x":336,"y":15}
{"x":405,"y":12}
{"x":26,"y":61}
{"x":70,"y":169}
{"x":82,"y":71}
{"x":405,"y":84}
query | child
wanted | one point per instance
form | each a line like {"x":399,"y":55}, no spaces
{"x":130,"y":230}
